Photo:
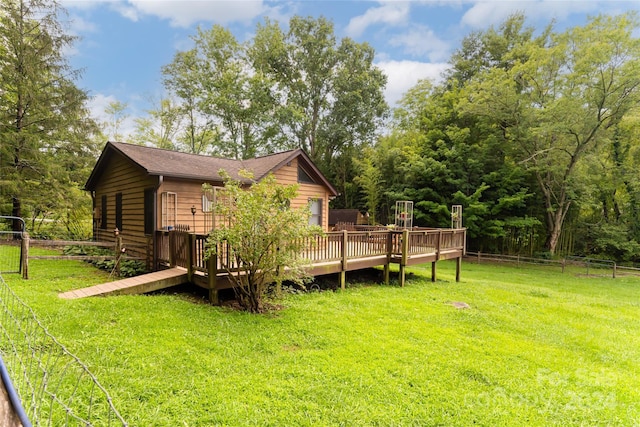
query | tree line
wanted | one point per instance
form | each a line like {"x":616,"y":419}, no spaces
{"x":532,"y":130}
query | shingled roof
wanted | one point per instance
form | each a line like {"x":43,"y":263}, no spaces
{"x":160,"y":162}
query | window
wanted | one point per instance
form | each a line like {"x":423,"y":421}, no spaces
{"x":169,"y":209}
{"x":149,"y":208}
{"x":303,"y":176}
{"x":208,"y":200}
{"x":119,"y":211}
{"x":103,"y":216}
{"x":212,"y":197}
{"x":316,"y":212}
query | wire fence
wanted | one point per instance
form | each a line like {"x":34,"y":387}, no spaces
{"x":589,"y":266}
{"x":11,"y":244}
{"x":54,"y":386}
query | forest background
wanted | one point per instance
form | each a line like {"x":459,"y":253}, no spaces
{"x":533,"y":131}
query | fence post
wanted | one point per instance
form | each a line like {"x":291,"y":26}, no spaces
{"x":614,"y":269}
{"x":24,"y":255}
{"x":587,"y":264}
{"x":564,"y":262}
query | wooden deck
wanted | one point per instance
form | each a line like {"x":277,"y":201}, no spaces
{"x":133,"y":285}
{"x":181,"y":258}
{"x":329,"y":253}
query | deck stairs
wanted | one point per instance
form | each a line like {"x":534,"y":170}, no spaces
{"x":133,"y":285}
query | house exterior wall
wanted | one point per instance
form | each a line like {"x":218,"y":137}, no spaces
{"x":288,"y":174}
{"x":122,"y":176}
{"x":188,"y":193}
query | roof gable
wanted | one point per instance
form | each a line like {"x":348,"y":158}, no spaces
{"x":156,"y":161}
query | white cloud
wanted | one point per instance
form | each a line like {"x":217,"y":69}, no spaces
{"x":129,"y":12}
{"x":393,"y":13}
{"x":421,"y":41}
{"x":485,"y":13}
{"x":79,"y":25}
{"x":185,"y":13}
{"x":403,"y":75}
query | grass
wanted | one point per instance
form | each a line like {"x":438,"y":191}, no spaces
{"x":536,"y":347}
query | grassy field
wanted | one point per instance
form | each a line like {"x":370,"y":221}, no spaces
{"x":536,"y":347}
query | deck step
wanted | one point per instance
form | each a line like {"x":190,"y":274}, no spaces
{"x":133,"y":285}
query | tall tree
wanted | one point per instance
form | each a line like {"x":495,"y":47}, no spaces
{"x":559,"y":104}
{"x":215,"y":81}
{"x":161,"y":126}
{"x":331,"y":92}
{"x":198,"y":133}
{"x":116,"y":112}
{"x":44,"y":123}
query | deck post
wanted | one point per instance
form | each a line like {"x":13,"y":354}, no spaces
{"x":388,"y":264}
{"x":172,"y":249}
{"x":343,"y":272}
{"x":212,"y":272}
{"x":458,"y":268}
{"x":190,"y":255}
{"x":405,"y":256}
{"x":433,"y":271}
{"x":24,"y":253}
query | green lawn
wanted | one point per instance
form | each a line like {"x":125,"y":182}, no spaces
{"x":536,"y":347}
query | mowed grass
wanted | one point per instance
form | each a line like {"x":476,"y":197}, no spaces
{"x":536,"y":347}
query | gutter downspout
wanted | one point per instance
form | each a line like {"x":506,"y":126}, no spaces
{"x":94,"y":225}
{"x":155,"y":219}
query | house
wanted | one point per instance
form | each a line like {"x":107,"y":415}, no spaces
{"x":140,"y":190}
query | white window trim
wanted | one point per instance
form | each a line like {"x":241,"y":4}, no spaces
{"x":320,"y":202}
{"x":169,"y":219}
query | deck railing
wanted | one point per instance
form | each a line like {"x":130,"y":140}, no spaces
{"x":188,"y":250}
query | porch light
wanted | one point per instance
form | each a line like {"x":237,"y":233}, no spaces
{"x":193,"y":213}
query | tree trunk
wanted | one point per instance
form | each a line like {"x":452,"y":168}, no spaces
{"x":555,"y":221}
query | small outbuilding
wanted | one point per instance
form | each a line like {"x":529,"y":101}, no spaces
{"x":341,"y":218}
{"x":143,"y":190}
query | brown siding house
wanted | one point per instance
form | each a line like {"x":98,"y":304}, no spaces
{"x":139,"y":190}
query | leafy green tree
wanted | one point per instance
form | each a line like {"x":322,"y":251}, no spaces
{"x":216,"y":82}
{"x":160,"y":127}
{"x":560,"y":104}
{"x":330,"y":93}
{"x":117,"y":114}
{"x":45,"y":126}
{"x":437,"y":157}
{"x":198,"y":134}
{"x":262,"y":237}
{"x":370,"y":181}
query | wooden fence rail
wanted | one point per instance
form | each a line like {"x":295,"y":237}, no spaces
{"x":116,"y":246}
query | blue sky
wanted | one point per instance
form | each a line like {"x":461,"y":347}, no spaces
{"x":124,"y":44}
